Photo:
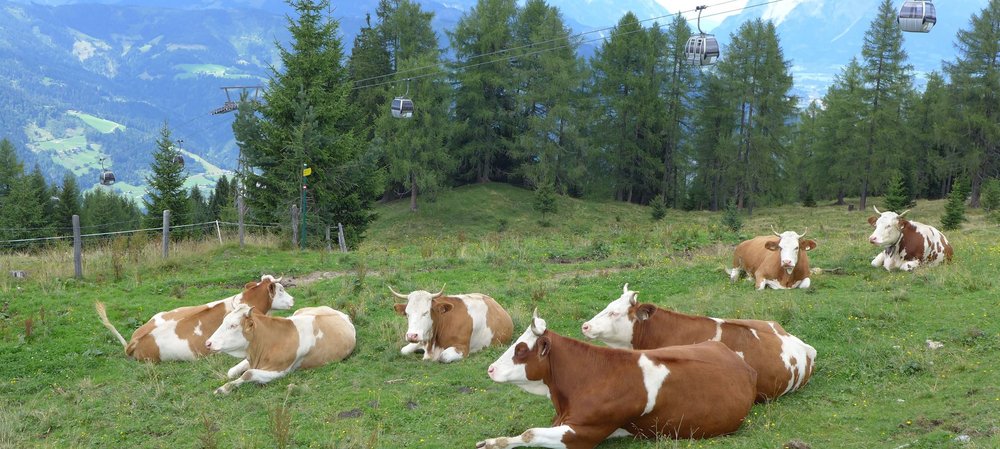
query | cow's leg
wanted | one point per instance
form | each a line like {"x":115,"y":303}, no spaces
{"x":734,"y":274}
{"x":251,"y":375}
{"x":450,"y":355}
{"x":909,"y":265}
{"x":551,"y":437}
{"x":879,"y":260}
{"x":238,"y":370}
{"x":804,"y":283}
{"x":410,"y":348}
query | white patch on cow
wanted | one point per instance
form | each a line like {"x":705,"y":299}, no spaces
{"x":449,"y":355}
{"x":418,"y":315}
{"x":229,"y":338}
{"x":197,"y":329}
{"x":788,"y":247}
{"x":504,"y":370}
{"x":551,"y":437}
{"x":718,"y":329}
{"x":410,"y":348}
{"x":281,"y":300}
{"x":620,"y":433}
{"x":793,"y":348}
{"x":734,"y":274}
{"x":805,"y":283}
{"x":653,"y":376}
{"x":754,"y":333}
{"x":613,"y":326}
{"x":171,"y":345}
{"x":740,"y":353}
{"x":482,"y":335}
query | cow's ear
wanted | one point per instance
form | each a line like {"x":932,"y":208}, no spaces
{"x":773,"y":246}
{"x":872,"y":220}
{"x":808,"y":245}
{"x":272,"y":288}
{"x":902,"y":222}
{"x":250,"y":285}
{"x":443,"y":307}
{"x":543,"y":344}
{"x":400,"y":309}
{"x":644,"y":311}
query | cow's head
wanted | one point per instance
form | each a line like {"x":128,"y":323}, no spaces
{"x":417,"y":311}
{"x":614,"y":324}
{"x":888,"y":227}
{"x":523,"y":364}
{"x":789,"y":245}
{"x":279,"y":298}
{"x":232,"y":335}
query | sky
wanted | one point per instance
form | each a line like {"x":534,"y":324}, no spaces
{"x":718,"y":10}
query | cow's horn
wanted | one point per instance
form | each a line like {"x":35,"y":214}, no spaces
{"x":634,"y":299}
{"x":438,"y":294}
{"x":625,"y":288}
{"x":803,"y":234}
{"x":876,"y":210}
{"x":904,"y":212}
{"x":534,"y":316}
{"x":775,"y":232}
{"x":397,"y":294}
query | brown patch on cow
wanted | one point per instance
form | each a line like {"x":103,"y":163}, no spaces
{"x":451,"y":324}
{"x":335,"y":337}
{"x":499,"y":321}
{"x":273,"y":342}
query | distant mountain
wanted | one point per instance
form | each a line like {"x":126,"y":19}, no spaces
{"x":81,"y":80}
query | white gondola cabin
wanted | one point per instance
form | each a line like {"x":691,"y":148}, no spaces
{"x":402,"y":107}
{"x":701,"y":49}
{"x":917,"y":16}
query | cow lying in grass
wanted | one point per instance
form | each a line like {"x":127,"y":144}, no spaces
{"x":273,"y":346}
{"x":783,"y":362}
{"x":693,"y":391}
{"x":906,"y":244}
{"x":778,"y":261}
{"x":450,"y":327}
{"x":180,"y":334}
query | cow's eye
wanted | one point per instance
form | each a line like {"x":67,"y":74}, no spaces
{"x":612,"y":314}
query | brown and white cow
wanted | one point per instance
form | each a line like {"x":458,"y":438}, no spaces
{"x":906,"y":244}
{"x":180,"y":334}
{"x":778,"y":261}
{"x":448,"y":328}
{"x":692,"y":391}
{"x":273,"y":346}
{"x":783,"y":362}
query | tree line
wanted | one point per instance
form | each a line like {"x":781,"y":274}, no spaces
{"x":516,"y":103}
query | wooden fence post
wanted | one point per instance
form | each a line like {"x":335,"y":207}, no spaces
{"x":340,"y":238}
{"x":77,"y":248}
{"x":218,"y":231}
{"x":295,"y":225}
{"x":240,"y":211}
{"x":166,"y":233}
{"x":328,"y":244}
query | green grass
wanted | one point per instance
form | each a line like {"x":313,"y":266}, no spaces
{"x":101,"y":125}
{"x":875,"y":384}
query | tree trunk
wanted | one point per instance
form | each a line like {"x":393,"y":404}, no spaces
{"x":413,"y":193}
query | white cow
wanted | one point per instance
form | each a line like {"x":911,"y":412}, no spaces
{"x":906,"y":244}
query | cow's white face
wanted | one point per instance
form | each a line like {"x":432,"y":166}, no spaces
{"x":613,"y":325}
{"x":504,"y":370}
{"x":280,"y":299}
{"x":229,"y":336}
{"x":418,"y":315}
{"x":788,"y":248}
{"x":887,"y":229}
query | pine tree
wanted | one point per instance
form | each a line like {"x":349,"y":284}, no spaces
{"x":896,"y":197}
{"x":545,"y":201}
{"x":954,"y":209}
{"x":105,"y":210}
{"x":658,"y":207}
{"x":166,"y":184}
{"x":306,"y":120}
{"x":69,"y":201}
{"x":11,"y":167}
{"x":990,"y":200}
{"x":975,"y":75}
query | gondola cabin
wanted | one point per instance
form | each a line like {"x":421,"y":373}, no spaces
{"x":917,"y":16}
{"x":179,"y":160}
{"x":402,"y":107}
{"x":107,"y":177}
{"x":702,"y":49}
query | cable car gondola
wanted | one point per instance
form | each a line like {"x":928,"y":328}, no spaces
{"x":179,"y":160}
{"x":917,"y":16}
{"x":701,"y":49}
{"x":402,"y":107}
{"x":107,"y":176}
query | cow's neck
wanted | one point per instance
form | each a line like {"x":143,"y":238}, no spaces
{"x":272,"y":338}
{"x":669,"y":328}
{"x":894,"y":248}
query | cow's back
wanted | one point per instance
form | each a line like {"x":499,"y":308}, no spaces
{"x":751,"y":254}
{"x":333,"y":333}
{"x":177,"y":334}
{"x":498,"y":321}
{"x":708,"y":391}
{"x":924,"y":243}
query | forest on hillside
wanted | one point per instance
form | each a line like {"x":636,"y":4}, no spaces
{"x":635,"y":122}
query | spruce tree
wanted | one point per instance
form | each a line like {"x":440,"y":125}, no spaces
{"x":954,"y":209}
{"x":990,"y":199}
{"x":545,"y":201}
{"x":165,"y":189}
{"x":11,"y":167}
{"x":69,"y":201}
{"x":896,"y":197}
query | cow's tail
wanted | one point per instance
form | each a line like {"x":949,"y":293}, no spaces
{"x":103,"y":314}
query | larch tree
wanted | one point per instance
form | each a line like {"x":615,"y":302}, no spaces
{"x":975,"y":80}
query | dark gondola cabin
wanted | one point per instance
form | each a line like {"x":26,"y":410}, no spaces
{"x":702,"y":49}
{"x":402,"y":107}
{"x":107,"y":177}
{"x":917,"y":16}
{"x":179,"y":160}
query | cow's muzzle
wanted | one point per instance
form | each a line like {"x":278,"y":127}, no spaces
{"x":413,"y":338}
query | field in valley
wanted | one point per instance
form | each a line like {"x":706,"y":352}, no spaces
{"x":64,"y":380}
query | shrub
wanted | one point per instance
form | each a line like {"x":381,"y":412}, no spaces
{"x":990,"y":195}
{"x":658,"y":207}
{"x":545,"y":200}
{"x":897,"y":199}
{"x":731,"y":217}
{"x":954,"y":210}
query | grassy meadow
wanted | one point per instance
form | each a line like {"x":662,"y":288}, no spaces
{"x":65,"y":383}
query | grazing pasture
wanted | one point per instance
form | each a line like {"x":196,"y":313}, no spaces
{"x":64,"y":381}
